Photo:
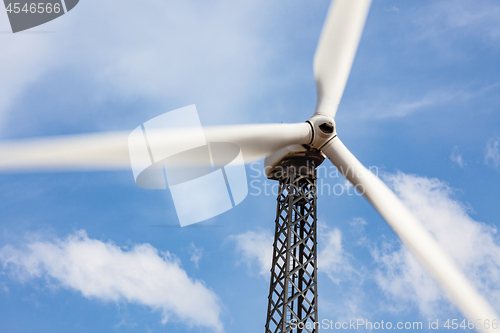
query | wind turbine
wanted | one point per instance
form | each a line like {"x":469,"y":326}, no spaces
{"x":285,"y":147}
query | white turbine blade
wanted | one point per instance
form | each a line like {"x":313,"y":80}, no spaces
{"x":336,"y":50}
{"x":96,"y":151}
{"x":413,"y":234}
{"x":110,"y":150}
{"x":258,"y":141}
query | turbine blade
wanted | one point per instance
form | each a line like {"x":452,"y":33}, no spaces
{"x":95,"y":151}
{"x":413,"y":234}
{"x":259,"y":141}
{"x":110,"y":150}
{"x":336,"y":50}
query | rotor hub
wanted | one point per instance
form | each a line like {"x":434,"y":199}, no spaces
{"x":323,"y":129}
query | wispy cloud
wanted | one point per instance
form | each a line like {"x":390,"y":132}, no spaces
{"x":404,"y":281}
{"x":474,"y":246}
{"x":480,"y":18}
{"x":22,"y":62}
{"x":358,"y":223}
{"x":174,"y":53}
{"x":392,"y":9}
{"x":255,"y":247}
{"x":332,"y":259}
{"x":345,"y":271}
{"x":456,"y":157}
{"x":196,"y":254}
{"x":450,"y":28}
{"x":435,"y":37}
{"x":390,"y":105}
{"x":492,"y":155}
{"x":107,"y":272}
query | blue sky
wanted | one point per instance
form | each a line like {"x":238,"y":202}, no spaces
{"x":84,"y":251}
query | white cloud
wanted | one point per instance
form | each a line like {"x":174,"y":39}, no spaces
{"x":402,"y":278}
{"x":348,"y":299}
{"x":480,"y":18}
{"x":256,"y":247}
{"x":24,"y":58}
{"x":438,"y":34}
{"x":390,"y":105}
{"x":125,"y":323}
{"x":457,"y":157}
{"x":4,"y":288}
{"x":107,"y":272}
{"x":392,"y":9}
{"x":450,"y":27}
{"x":474,"y":246}
{"x":166,"y":53}
{"x":437,"y":97}
{"x":358,"y":223}
{"x":332,"y":259}
{"x":492,"y":155}
{"x":185,"y":51}
{"x":196,"y":254}
{"x":22,"y":62}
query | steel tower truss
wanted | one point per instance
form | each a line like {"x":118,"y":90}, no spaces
{"x":293,"y":298}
